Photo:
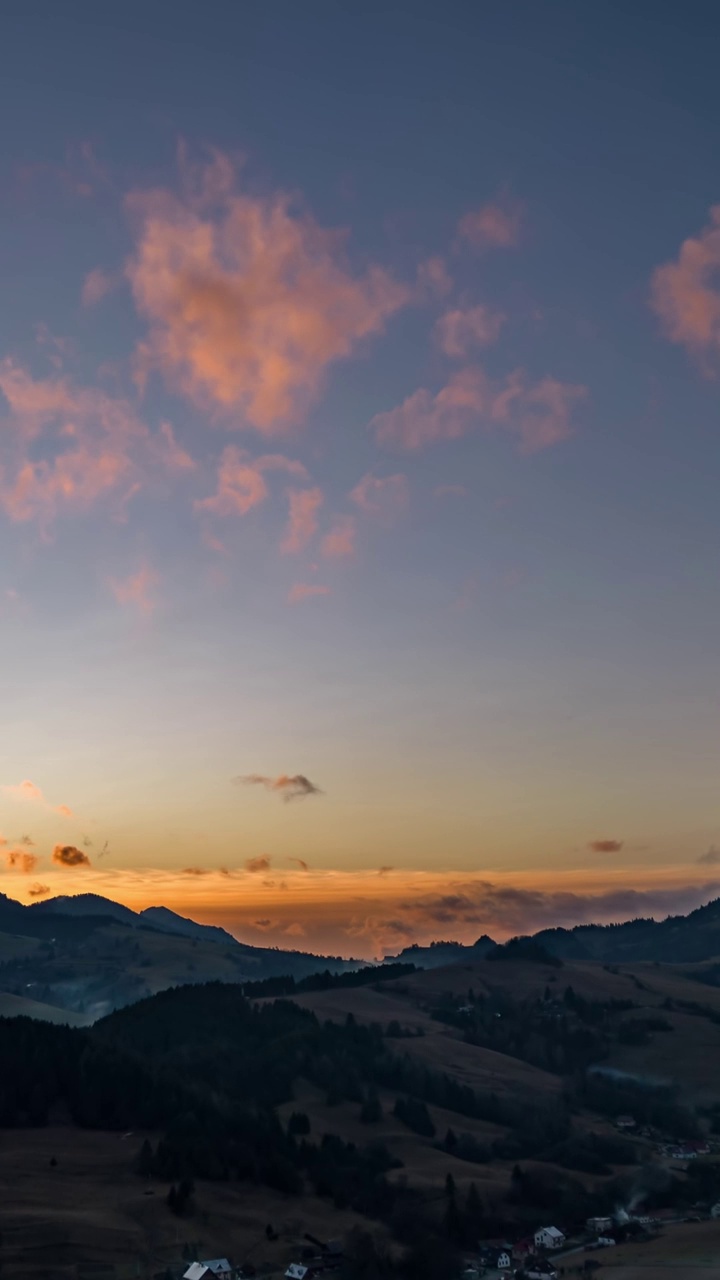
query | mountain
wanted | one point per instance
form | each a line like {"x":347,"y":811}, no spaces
{"x":438,"y":954}
{"x":85,"y":904}
{"x":170,"y":922}
{"x":678,"y":939}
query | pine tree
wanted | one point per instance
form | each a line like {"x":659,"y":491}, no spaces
{"x":450,"y":1187}
{"x":473,"y":1205}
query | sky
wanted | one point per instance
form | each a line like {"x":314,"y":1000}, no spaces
{"x":359,"y":463}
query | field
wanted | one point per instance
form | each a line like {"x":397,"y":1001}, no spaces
{"x":90,"y":1215}
{"x":685,"y":1250}
{"x":20,"y":1006}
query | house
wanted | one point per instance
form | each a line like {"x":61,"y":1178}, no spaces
{"x":538,"y":1271}
{"x":715,"y":1211}
{"x":549,"y":1238}
{"x":214,"y":1269}
{"x":522,"y":1250}
{"x":503,"y":1261}
{"x":496,"y":1257}
{"x":298,"y":1271}
{"x":599,"y":1226}
{"x":625,"y":1122}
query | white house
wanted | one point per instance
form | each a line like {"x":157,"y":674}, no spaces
{"x":296,"y":1271}
{"x":213,"y":1269}
{"x":532,"y":1272}
{"x":549,"y":1238}
{"x":715,"y":1211}
{"x":504,"y":1261}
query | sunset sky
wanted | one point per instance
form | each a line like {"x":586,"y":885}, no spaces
{"x":359,"y":462}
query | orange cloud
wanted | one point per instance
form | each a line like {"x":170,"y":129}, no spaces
{"x":340,"y":541}
{"x":493,"y":226}
{"x":538,"y":414}
{"x":381,"y":496}
{"x":38,"y":890}
{"x":135,"y":590}
{"x":305,"y":591}
{"x":302,"y":522}
{"x":248,"y":300}
{"x":27,"y":790}
{"x":605,"y":846}
{"x":96,"y":285}
{"x":67,"y":855}
{"x":21,"y":860}
{"x":458,"y":331}
{"x":300,"y":863}
{"x":686,"y":293}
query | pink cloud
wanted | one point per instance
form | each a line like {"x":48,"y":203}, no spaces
{"x":172,"y":454}
{"x":306,"y":591}
{"x":450,"y":491}
{"x":94,"y":446}
{"x":135,"y":590}
{"x":248,"y":301}
{"x":537,"y":414}
{"x":458,"y":331}
{"x":302,"y":521}
{"x":381,"y":496}
{"x":339,"y":542}
{"x":493,"y":226}
{"x":433,"y":278}
{"x":241,"y":483}
{"x":686,"y":293}
{"x":96,"y":285}
{"x":21,"y":860}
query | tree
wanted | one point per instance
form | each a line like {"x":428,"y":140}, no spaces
{"x":371,"y":1110}
{"x":450,"y":1187}
{"x":144,"y":1165}
{"x":298,"y":1124}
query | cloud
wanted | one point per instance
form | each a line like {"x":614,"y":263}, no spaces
{"x":450,"y":491}
{"x":67,"y":855}
{"x":68,"y":447}
{"x":382,"y":497}
{"x":257,"y":865}
{"x":302,"y":521}
{"x":433,"y":279}
{"x":492,"y":226}
{"x":96,"y":285}
{"x":241,"y":483}
{"x":300,"y":863}
{"x":294,"y":930}
{"x":173,"y":455}
{"x":686,"y":293}
{"x":290,"y":787}
{"x":38,"y":890}
{"x":248,"y":300}
{"x":28,"y":790}
{"x":196,"y":871}
{"x":710,"y":858}
{"x":136,"y":589}
{"x":605,"y":846}
{"x":457,"y":332}
{"x":20,"y":860}
{"x":385,"y":871}
{"x":339,"y":542}
{"x":27,"y":841}
{"x":306,"y":591}
{"x":537,"y":414}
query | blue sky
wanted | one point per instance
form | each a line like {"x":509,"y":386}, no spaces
{"x":509,"y":650}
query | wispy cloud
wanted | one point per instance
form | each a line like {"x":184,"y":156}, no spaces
{"x":67,"y":855}
{"x":686,"y":293}
{"x":38,"y":890}
{"x":538,"y":414}
{"x":459,"y":331}
{"x":711,"y":858}
{"x":290,"y":786}
{"x":30,"y":792}
{"x":381,"y":496}
{"x":339,"y":541}
{"x":493,"y":226}
{"x":248,"y":300}
{"x":136,"y":590}
{"x":96,"y":285}
{"x":300,"y":863}
{"x":241,"y":483}
{"x":302,"y":520}
{"x":306,"y":591}
{"x":605,"y":846}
